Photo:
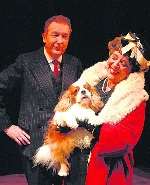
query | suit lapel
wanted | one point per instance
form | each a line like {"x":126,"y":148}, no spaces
{"x":43,"y":74}
{"x":68,"y":72}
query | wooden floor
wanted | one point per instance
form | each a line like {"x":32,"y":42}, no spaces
{"x":140,"y":178}
{"x":14,"y":179}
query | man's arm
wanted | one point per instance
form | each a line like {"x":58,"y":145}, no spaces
{"x":17,"y":134}
{"x":8,"y":79}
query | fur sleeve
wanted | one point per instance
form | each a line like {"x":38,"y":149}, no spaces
{"x":95,"y":73}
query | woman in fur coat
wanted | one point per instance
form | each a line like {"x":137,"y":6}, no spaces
{"x":122,"y":90}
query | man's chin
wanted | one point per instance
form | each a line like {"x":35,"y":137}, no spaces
{"x":58,"y":53}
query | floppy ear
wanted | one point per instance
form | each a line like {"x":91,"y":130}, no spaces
{"x":67,"y":99}
{"x":97,"y":104}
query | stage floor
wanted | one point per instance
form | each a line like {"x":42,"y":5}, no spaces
{"x":141,"y":177}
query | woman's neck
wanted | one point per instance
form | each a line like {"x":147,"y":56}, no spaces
{"x":107,"y":86}
{"x":110,"y":84}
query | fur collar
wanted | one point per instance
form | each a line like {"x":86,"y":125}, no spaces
{"x":127,"y":95}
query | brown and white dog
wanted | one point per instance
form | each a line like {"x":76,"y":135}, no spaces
{"x":78,"y":103}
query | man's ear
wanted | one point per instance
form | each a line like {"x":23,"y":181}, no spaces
{"x":43,"y":37}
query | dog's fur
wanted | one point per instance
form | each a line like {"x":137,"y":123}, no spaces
{"x":78,"y":103}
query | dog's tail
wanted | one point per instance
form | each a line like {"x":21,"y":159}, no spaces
{"x":44,"y":156}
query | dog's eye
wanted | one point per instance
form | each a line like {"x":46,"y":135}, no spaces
{"x":87,"y":86}
{"x":76,"y":90}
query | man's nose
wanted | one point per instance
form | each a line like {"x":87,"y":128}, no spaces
{"x":59,"y":39}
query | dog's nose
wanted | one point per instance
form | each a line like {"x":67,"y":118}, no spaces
{"x":83,"y":92}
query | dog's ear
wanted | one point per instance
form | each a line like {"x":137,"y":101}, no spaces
{"x":97,"y":103}
{"x":67,"y":99}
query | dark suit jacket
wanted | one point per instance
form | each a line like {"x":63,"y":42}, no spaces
{"x":38,"y":98}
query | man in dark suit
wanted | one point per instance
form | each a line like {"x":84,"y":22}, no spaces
{"x":42,"y":76}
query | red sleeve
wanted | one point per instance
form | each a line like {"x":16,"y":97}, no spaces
{"x":123,"y":136}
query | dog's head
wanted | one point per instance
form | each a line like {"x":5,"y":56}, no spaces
{"x":83,"y":94}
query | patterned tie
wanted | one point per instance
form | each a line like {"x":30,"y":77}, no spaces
{"x":56,"y":68}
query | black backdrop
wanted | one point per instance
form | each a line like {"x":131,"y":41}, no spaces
{"x":94,"y":22}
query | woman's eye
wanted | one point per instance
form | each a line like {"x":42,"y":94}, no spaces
{"x":114,"y":57}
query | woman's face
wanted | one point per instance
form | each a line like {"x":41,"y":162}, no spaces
{"x":118,"y":67}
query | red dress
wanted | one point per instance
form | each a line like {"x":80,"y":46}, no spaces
{"x":114,"y":141}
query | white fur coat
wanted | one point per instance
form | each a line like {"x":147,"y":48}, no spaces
{"x":127,"y":95}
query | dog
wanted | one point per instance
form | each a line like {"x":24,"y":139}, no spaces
{"x":79,"y":103}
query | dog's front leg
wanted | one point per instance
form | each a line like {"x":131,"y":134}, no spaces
{"x":59,"y":119}
{"x":65,"y":119}
{"x":71,"y":120}
{"x":64,"y":170}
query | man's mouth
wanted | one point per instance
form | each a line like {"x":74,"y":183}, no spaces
{"x":57,"y":49}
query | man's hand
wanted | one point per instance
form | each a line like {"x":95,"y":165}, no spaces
{"x":18,"y":135}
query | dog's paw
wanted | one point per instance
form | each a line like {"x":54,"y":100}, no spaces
{"x":64,"y":171}
{"x":65,"y":119}
{"x":59,"y":119}
{"x":71,"y":121}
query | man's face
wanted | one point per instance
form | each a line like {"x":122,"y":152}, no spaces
{"x":118,"y":67}
{"x":56,"y":39}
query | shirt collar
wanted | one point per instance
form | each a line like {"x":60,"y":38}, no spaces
{"x":49,"y":59}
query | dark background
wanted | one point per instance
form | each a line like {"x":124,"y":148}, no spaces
{"x":94,"y":22}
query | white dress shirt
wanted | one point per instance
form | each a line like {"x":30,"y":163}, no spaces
{"x":50,"y":60}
